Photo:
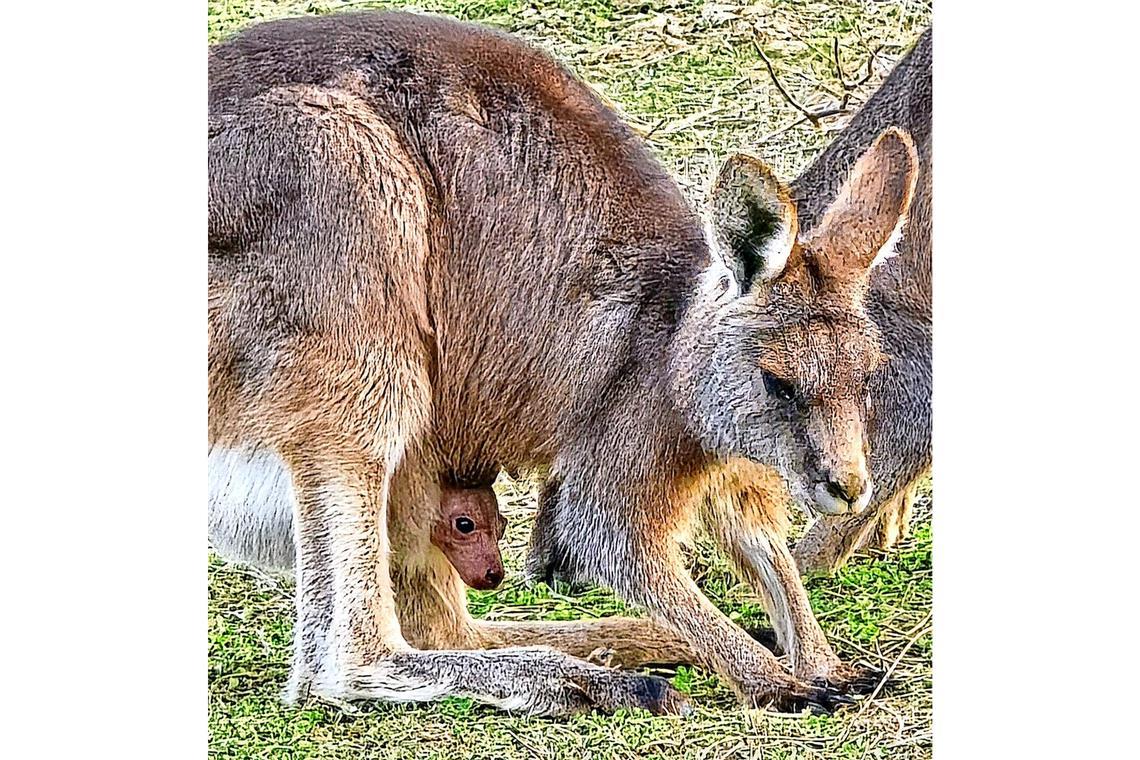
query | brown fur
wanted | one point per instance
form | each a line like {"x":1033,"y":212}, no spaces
{"x":900,"y":301}
{"x":468,"y":531}
{"x":432,"y":250}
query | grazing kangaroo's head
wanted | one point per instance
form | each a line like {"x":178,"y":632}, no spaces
{"x":775,"y":356}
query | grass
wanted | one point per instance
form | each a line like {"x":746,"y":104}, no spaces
{"x":689,"y":77}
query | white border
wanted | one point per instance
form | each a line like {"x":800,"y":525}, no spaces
{"x":102,"y":293}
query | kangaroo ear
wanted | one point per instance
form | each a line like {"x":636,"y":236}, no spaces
{"x":753,"y":220}
{"x":862,"y":226}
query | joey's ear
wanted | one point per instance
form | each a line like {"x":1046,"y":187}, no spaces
{"x":862,"y":226}
{"x":753,"y":220}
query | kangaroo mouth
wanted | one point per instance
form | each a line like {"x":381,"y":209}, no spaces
{"x":828,"y":504}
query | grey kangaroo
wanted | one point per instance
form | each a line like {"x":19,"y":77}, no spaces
{"x":900,"y":303}
{"x":432,"y":250}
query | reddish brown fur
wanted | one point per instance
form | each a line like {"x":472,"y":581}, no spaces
{"x":474,"y":553}
{"x":432,"y":250}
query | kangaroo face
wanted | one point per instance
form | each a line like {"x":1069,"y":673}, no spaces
{"x":808,"y":357}
{"x":782,"y":343}
{"x":468,"y":531}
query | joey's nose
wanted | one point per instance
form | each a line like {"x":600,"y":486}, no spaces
{"x":493,"y":578}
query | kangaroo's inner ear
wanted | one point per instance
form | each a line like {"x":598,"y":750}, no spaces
{"x":753,"y":220}
{"x":864,"y":223}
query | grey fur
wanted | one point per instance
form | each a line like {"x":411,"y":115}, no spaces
{"x":432,"y":250}
{"x":900,"y":302}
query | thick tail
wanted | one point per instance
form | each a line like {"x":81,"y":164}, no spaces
{"x":251,"y":508}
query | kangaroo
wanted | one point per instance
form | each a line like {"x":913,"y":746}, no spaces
{"x":468,"y":530}
{"x":251,"y":519}
{"x":900,"y":303}
{"x":432,"y":249}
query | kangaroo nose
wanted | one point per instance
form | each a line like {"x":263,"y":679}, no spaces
{"x":494,"y":577}
{"x":849,"y":489}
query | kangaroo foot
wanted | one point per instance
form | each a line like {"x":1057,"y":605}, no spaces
{"x":525,"y":679}
{"x":794,"y":696}
{"x":617,"y":690}
{"x":849,"y":678}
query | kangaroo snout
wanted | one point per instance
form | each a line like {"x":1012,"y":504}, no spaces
{"x":840,"y":493}
{"x":493,"y":578}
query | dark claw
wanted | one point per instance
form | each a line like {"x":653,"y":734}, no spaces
{"x":820,"y":700}
{"x":865,"y":680}
{"x":658,"y":696}
{"x":859,"y":680}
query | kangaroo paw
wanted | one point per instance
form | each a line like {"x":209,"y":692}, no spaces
{"x":796,"y":696}
{"x":849,"y":678}
{"x":820,"y":700}
{"x":857,"y":678}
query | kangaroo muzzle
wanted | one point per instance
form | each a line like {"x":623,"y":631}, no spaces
{"x":844,"y":494}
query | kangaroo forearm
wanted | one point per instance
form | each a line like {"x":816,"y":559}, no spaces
{"x":766,"y":564}
{"x":679,"y":605}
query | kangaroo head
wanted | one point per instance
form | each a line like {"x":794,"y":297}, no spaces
{"x":468,"y":531}
{"x":774,"y":358}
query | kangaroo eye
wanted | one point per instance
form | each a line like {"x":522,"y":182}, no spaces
{"x":781,"y":389}
{"x":464,"y":524}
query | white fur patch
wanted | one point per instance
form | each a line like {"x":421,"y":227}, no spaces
{"x":890,"y":248}
{"x":775,"y":252}
{"x":759,"y":553}
{"x":718,"y":283}
{"x":513,"y":703}
{"x":251,"y":504}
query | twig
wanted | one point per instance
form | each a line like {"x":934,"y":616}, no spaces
{"x":812,"y":116}
{"x":870,"y":68}
{"x":918,"y":631}
{"x":848,"y":88}
{"x":838,"y":65}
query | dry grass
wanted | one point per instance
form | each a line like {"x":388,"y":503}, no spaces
{"x":690,"y":77}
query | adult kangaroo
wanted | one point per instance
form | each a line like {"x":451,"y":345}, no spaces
{"x":900,"y":303}
{"x":433,"y":251}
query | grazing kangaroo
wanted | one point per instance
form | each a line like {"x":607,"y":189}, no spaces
{"x":900,"y":303}
{"x":433,"y":250}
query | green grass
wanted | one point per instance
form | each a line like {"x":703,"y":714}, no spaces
{"x":687,"y":75}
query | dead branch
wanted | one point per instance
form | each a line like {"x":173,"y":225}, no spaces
{"x":850,"y":86}
{"x":812,"y":116}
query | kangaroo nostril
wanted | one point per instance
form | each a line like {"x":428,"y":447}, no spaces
{"x":837,"y":491}
{"x":494,"y":577}
{"x":843,"y":492}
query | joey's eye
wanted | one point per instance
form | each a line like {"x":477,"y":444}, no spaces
{"x":464,"y":524}
{"x":781,"y":389}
